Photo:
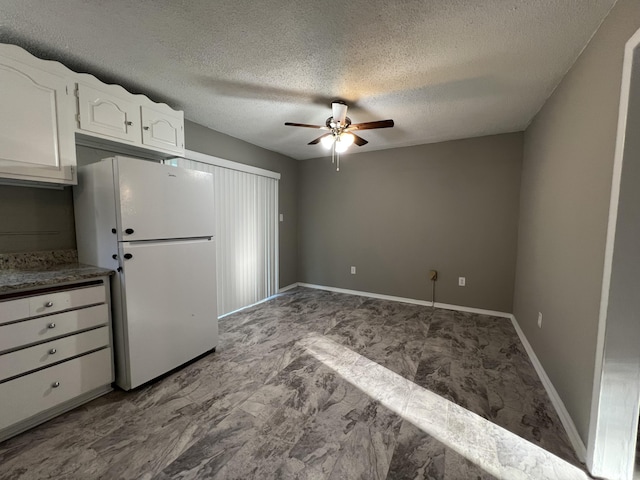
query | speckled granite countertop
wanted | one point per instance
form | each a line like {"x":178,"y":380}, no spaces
{"x":21,"y":271}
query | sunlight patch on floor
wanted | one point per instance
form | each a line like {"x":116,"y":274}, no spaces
{"x":491,"y":447}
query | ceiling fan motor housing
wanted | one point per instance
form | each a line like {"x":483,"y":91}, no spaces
{"x":332,"y":124}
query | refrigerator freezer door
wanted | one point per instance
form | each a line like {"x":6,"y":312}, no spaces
{"x":160,"y":201}
{"x":169,"y":304}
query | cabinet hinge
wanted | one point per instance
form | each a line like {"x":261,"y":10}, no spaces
{"x":78,"y":118}
{"x":76,"y":92}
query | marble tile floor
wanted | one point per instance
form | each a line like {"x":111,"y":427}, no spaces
{"x":319,"y":385}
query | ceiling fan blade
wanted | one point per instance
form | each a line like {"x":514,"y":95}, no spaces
{"x":339,"y":111}
{"x":371,"y":125}
{"x":359,"y":141}
{"x":305,"y":125}
{"x":317,"y":140}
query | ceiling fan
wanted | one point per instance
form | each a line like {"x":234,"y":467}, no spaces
{"x":340,"y":131}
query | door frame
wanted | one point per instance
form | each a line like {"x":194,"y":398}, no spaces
{"x":616,"y":392}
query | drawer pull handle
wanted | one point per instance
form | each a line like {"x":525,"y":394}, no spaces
{"x":51,"y":325}
{"x":48,"y":304}
{"x":52,"y":351}
{"x":128,"y":123}
{"x":55,"y":384}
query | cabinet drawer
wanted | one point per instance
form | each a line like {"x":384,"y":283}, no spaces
{"x":46,"y":328}
{"x":66,"y":300}
{"x":38,"y":356}
{"x":27,"y":396}
{"x":11,"y":310}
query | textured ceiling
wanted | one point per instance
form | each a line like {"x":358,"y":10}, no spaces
{"x":442,"y":69}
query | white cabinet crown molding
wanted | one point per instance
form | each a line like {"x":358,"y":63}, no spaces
{"x":20,"y":54}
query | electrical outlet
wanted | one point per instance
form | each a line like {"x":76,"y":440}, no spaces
{"x":462,"y":281}
{"x":282,"y":217}
{"x":433,"y":275}
{"x":353,"y":270}
{"x":539,"y":319}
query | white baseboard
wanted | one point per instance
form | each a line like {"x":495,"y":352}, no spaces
{"x":414,"y":301}
{"x":245,"y":307}
{"x":283,"y":289}
{"x":288,"y":287}
{"x":561,"y":410}
{"x":480,"y":311}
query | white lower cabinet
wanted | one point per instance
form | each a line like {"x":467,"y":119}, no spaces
{"x":55,"y":352}
{"x":31,"y":394}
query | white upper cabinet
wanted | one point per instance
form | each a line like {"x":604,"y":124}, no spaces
{"x":163,"y":130}
{"x":45,"y":109}
{"x":109,"y":112}
{"x":36,"y":120}
{"x":107,"y":115}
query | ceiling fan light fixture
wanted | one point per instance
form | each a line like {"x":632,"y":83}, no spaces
{"x":344,"y":141}
{"x":347,"y":138}
{"x":341,"y":147}
{"x":327,"y":141}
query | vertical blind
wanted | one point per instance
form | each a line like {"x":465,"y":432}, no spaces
{"x":246,"y":217}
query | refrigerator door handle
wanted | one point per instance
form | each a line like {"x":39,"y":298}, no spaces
{"x":166,"y":240}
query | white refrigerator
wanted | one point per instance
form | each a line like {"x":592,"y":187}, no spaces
{"x":154,"y":225}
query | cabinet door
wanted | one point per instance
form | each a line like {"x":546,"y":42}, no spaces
{"x":108,"y":116}
{"x":162,"y":130}
{"x":36,"y":124}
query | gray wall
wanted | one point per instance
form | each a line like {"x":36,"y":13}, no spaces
{"x":205,"y":140}
{"x":566,"y":183}
{"x":395,"y":214}
{"x":33,"y":219}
